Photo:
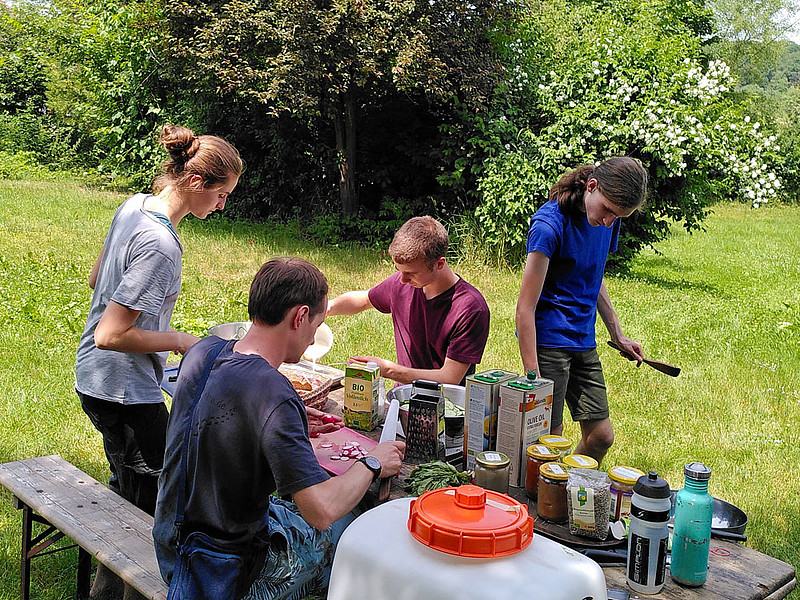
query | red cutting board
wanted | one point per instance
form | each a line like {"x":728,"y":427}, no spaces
{"x":338,"y":438}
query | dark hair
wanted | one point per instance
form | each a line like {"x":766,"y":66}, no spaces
{"x":283,"y":283}
{"x":420,"y":237}
{"x":622,"y":180}
{"x":208,"y":156}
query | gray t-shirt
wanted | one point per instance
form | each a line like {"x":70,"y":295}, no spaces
{"x":140,"y":269}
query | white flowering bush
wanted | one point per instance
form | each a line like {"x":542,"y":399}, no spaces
{"x":586,"y":84}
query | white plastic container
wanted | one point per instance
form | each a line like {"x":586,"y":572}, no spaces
{"x":378,"y":559}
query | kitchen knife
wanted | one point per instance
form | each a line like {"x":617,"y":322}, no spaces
{"x":657,"y":365}
{"x":388,"y":434}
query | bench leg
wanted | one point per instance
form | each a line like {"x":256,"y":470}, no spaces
{"x":25,"y":562}
{"x":84,"y":573}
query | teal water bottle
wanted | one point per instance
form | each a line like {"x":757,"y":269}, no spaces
{"x":692,"y":530}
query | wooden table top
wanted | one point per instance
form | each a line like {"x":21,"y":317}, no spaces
{"x":735,"y":572}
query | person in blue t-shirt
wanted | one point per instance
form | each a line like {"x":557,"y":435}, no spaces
{"x":563,"y":290}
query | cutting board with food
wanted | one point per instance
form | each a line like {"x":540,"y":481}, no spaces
{"x":337,"y":450}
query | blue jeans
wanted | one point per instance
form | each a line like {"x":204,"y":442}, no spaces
{"x":300,"y":556}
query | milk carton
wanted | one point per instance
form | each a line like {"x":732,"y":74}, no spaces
{"x":361,"y":384}
{"x":524,"y":411}
{"x":480,"y":412}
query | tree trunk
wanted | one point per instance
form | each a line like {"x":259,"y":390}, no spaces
{"x":345,"y":126}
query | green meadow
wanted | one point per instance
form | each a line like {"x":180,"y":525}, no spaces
{"x":723,"y":304}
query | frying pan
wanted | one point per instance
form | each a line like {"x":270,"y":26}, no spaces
{"x":657,"y":365}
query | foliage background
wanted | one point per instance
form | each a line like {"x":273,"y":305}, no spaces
{"x":355,"y":115}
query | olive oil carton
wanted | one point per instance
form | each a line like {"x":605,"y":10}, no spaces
{"x":525,"y":407}
{"x":480,"y":412}
{"x":361,"y":385}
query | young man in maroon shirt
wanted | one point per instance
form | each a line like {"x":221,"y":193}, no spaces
{"x":441,"y":322}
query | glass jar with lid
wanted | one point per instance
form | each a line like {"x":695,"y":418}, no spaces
{"x":537,"y":455}
{"x":622,"y":481}
{"x":552,"y":504}
{"x":558,"y":443}
{"x":492,"y":470}
{"x":579,"y":461}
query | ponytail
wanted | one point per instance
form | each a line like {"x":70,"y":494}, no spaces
{"x":568,"y":191}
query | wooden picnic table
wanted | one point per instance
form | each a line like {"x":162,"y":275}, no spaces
{"x":735,"y":572}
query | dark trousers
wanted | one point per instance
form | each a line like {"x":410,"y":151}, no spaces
{"x":134,"y":440}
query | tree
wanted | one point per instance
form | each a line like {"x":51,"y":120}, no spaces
{"x":331,"y":60}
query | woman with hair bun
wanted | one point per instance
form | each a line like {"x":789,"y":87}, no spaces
{"x":136,"y":280}
{"x":562,"y":291}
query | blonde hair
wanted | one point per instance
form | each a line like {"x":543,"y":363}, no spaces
{"x":208,"y":156}
{"x":420,"y":237}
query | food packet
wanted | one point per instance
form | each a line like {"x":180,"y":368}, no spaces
{"x":588,"y":502}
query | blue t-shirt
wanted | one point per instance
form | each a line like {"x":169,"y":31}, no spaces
{"x":249,"y":438}
{"x":567,"y":308}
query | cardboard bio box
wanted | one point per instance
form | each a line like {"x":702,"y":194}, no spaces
{"x":524,"y":412}
{"x":361,"y":395}
{"x":480,"y":412}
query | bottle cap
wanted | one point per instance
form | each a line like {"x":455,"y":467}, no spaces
{"x":554,"y":470}
{"x":697,"y":471}
{"x":652,"y":486}
{"x":470,"y":521}
{"x":542,"y":452}
{"x":625,"y":475}
{"x":531,"y":374}
{"x":492,"y":460}
{"x":579,"y":461}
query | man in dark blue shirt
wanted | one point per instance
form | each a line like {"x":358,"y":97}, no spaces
{"x":249,"y":436}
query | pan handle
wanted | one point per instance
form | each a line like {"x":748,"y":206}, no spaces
{"x":728,"y":536}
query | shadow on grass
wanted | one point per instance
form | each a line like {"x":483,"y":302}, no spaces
{"x":644,"y":271}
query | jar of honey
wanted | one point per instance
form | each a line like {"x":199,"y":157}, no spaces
{"x":552,"y":504}
{"x":537,"y":455}
{"x":558,"y":443}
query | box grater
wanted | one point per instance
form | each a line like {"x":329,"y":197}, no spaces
{"x":425,"y":432}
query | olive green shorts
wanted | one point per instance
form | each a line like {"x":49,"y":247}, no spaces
{"x":578,"y":379}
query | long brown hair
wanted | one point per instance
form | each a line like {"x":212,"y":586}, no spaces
{"x":208,"y":156}
{"x":622,"y":180}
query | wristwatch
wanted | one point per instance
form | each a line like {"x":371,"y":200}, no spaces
{"x":373,"y":464}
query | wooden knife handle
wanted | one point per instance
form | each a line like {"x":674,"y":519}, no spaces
{"x":657,"y":365}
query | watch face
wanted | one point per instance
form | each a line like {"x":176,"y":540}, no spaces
{"x":373,"y":463}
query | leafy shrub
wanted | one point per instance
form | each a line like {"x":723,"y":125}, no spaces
{"x":587,"y":82}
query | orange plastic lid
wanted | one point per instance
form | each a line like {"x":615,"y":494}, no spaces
{"x":471,"y":521}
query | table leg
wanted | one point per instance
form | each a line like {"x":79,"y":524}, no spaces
{"x":84,"y":573}
{"x":25,"y":559}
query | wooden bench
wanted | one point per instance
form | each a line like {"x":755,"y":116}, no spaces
{"x":68,"y":502}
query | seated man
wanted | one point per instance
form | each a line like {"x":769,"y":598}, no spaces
{"x":441,"y":322}
{"x":249,"y":436}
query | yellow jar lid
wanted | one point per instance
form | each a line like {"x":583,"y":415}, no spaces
{"x":554,"y":470}
{"x":580,"y":461}
{"x":555,"y":441}
{"x":492,"y":460}
{"x":542,"y":452}
{"x":626,"y":475}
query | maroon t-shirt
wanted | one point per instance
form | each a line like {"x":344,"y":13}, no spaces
{"x":454,"y":324}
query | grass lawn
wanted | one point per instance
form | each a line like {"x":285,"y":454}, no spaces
{"x":723,"y":304}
